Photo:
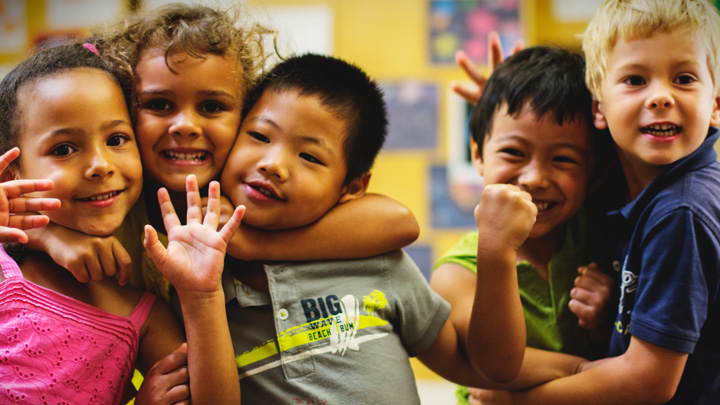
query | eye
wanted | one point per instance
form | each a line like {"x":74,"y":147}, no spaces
{"x":212,"y":107}
{"x":634,"y":81}
{"x":259,"y":137}
{"x":685,"y":79}
{"x":63,"y":150}
{"x":511,"y":152}
{"x":157,"y":104}
{"x":118,"y":140}
{"x":565,"y":159}
{"x":310,"y":158}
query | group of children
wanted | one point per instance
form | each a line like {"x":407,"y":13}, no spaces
{"x":314,"y":302}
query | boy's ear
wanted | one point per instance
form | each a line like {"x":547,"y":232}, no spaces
{"x":715,"y":117}
{"x":475,"y":156}
{"x":355,"y":189}
{"x":598,"y":115}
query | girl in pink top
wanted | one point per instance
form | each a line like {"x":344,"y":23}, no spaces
{"x":70,"y":342}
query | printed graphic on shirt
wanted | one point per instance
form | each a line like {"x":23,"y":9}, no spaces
{"x":332,"y":327}
{"x":627,"y":292}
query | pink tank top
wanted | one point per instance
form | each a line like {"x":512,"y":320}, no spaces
{"x":57,"y":350}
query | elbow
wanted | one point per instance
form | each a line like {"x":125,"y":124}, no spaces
{"x":410,"y":230}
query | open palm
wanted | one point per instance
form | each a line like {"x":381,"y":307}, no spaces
{"x":193,"y":260}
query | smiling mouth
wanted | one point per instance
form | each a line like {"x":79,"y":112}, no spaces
{"x":101,"y":197}
{"x":193,"y":156}
{"x":664,"y":130}
{"x":544,"y":206}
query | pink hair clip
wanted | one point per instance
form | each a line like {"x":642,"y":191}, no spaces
{"x":90,"y":47}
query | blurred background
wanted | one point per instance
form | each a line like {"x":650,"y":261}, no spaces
{"x":408,"y":46}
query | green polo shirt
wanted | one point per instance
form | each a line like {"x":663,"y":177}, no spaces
{"x":549,"y":322}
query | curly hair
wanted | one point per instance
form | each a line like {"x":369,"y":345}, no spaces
{"x":194,"y":29}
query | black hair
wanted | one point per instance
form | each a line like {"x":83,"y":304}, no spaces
{"x":551,"y":80}
{"x":346,"y":91}
{"x":45,"y":62}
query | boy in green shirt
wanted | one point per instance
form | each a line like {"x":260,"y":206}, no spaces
{"x":532,"y":129}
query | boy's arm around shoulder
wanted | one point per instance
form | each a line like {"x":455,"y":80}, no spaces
{"x":367,"y":226}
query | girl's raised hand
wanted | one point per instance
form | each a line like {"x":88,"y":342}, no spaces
{"x":13,"y":202}
{"x":193,"y":261}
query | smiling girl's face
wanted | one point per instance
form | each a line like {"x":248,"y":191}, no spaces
{"x":188,"y":117}
{"x":75,"y":130}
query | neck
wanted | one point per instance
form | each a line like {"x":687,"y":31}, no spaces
{"x":638,"y":175}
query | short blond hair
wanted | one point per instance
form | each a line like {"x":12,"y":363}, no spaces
{"x":633,"y":19}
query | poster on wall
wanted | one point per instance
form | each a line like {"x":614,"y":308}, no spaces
{"x":464,"y":25}
{"x":13,"y":26}
{"x":412,"y":114}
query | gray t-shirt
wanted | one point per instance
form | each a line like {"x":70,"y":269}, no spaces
{"x":333,"y":332}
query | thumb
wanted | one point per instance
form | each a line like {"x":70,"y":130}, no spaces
{"x":152,"y":244}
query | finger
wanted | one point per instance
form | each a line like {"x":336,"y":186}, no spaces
{"x":182,"y":348}
{"x":107,"y":263}
{"x":471,"y":71}
{"x":517,"y":47}
{"x":585,"y":296}
{"x":32,"y":204}
{"x":8,"y":157}
{"x":471,"y":96}
{"x":172,"y":362}
{"x":194,"y":211}
{"x":593,"y":271}
{"x":28,"y":221}
{"x":94,"y":269}
{"x":591,"y":284}
{"x":232,"y":225}
{"x":170,"y":218}
{"x":212,"y":215}
{"x":155,"y":249}
{"x":79,"y":272}
{"x":8,"y":235}
{"x":495,"y":55}
{"x":123,"y":262}
{"x":179,"y":394}
{"x":14,"y":188}
{"x":584,"y":312}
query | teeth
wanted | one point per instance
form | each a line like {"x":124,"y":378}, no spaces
{"x":265,"y":192}
{"x":102,"y":197}
{"x":197,"y":156}
{"x":542,"y":206}
{"x":662,"y":130}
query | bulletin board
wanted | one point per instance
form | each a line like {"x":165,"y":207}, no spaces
{"x":464,"y":25}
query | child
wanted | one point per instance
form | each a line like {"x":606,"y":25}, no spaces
{"x":341,"y":331}
{"x":532,"y":128}
{"x":188,"y":92}
{"x":69,"y":341}
{"x":653,"y":69}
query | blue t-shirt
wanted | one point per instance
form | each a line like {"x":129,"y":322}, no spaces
{"x":668,"y":251}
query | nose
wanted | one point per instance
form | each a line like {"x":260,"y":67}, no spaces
{"x":185,"y":123}
{"x":535,"y":176}
{"x":274,"y":165}
{"x":660,"y":97}
{"x":99,"y":165}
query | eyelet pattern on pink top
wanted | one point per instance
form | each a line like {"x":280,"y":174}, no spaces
{"x":57,"y":350}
